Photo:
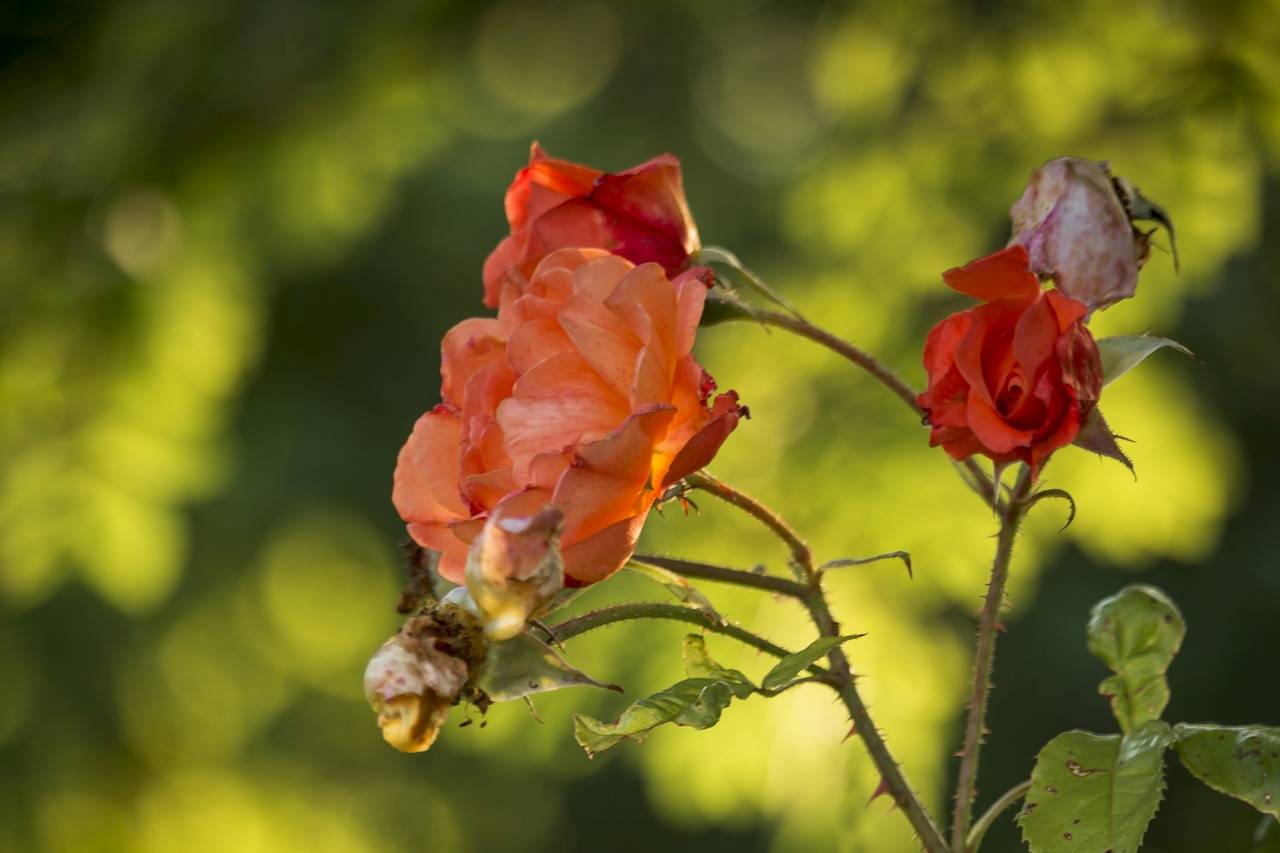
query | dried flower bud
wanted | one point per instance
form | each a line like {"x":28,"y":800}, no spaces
{"x":1077,"y":228}
{"x":514,"y":569}
{"x":421,"y":672}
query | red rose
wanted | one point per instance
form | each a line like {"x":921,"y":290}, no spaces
{"x":1014,"y":378}
{"x":639,"y":214}
{"x":582,"y":393}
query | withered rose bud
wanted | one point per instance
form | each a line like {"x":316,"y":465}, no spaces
{"x":1076,"y":222}
{"x":421,"y":672}
{"x":514,"y":569}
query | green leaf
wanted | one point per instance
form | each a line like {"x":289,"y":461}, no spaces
{"x":677,"y":586}
{"x":525,"y":665}
{"x":694,"y":702}
{"x":1136,"y":632}
{"x":1094,"y":793}
{"x":1239,"y":761}
{"x":793,"y":664}
{"x":1124,"y":352}
{"x":698,"y":664}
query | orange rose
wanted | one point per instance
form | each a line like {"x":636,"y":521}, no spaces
{"x":1014,"y":378}
{"x":639,"y":214}
{"x":582,"y":393}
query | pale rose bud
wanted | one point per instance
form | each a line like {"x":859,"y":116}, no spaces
{"x":514,"y":569}
{"x":1078,"y":230}
{"x":418,"y":675}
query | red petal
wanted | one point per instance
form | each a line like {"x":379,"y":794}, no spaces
{"x":1004,"y":275}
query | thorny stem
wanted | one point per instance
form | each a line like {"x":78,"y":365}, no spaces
{"x":801,"y":554}
{"x":579,"y":625}
{"x":686,"y":568}
{"x":1010,"y":513}
{"x":980,"y":828}
{"x":892,"y":778}
{"x":841,"y":677}
{"x":981,"y":482}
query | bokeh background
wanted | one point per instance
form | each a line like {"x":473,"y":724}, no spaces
{"x":232,"y":233}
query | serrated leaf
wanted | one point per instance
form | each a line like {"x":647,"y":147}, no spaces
{"x":1136,"y":632}
{"x":1239,"y":761}
{"x":676,"y":585}
{"x":797,"y":662}
{"x":1122,"y":353}
{"x":698,"y":664}
{"x":694,"y":702}
{"x":1094,"y":793}
{"x":525,"y":665}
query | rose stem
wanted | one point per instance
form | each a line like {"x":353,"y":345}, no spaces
{"x":816,"y":603}
{"x":579,"y":625}
{"x":801,"y":554}
{"x":872,"y":365}
{"x":983,"y":823}
{"x":685,"y":568}
{"x":1011,"y":513}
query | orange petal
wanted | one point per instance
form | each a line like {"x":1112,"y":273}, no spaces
{"x":426,"y":477}
{"x":596,"y":557}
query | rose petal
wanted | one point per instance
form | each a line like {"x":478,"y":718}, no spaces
{"x":1004,"y":275}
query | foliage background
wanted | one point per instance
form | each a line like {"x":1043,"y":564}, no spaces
{"x":232,"y":234}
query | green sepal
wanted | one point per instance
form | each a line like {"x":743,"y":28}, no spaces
{"x":1093,"y":793}
{"x":1122,"y":353}
{"x":795,"y":663}
{"x":1239,"y":761}
{"x":1136,"y":632}
{"x":1096,"y":437}
{"x":525,"y":665}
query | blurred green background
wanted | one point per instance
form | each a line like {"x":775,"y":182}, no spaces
{"x":232,"y":234}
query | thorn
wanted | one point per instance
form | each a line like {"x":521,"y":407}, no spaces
{"x":852,"y":731}
{"x":880,"y":791}
{"x":1001,"y":628}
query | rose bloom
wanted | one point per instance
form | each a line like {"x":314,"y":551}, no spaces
{"x":1015,"y":377}
{"x":1077,"y":231}
{"x":581,"y":393}
{"x":639,"y":214}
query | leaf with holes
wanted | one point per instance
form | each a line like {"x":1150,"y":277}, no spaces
{"x":1136,"y":632}
{"x":694,"y":702}
{"x":1094,"y":793}
{"x":698,"y":664}
{"x":1239,"y":761}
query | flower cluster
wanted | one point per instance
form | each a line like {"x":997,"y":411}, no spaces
{"x":1019,"y":376}
{"x":583,"y":392}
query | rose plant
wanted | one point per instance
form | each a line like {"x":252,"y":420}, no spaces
{"x":580,"y":406}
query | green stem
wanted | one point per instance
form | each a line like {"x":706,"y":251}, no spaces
{"x":801,"y":554}
{"x":688,"y":569}
{"x":579,"y":625}
{"x":1011,"y":513}
{"x":979,"y":831}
